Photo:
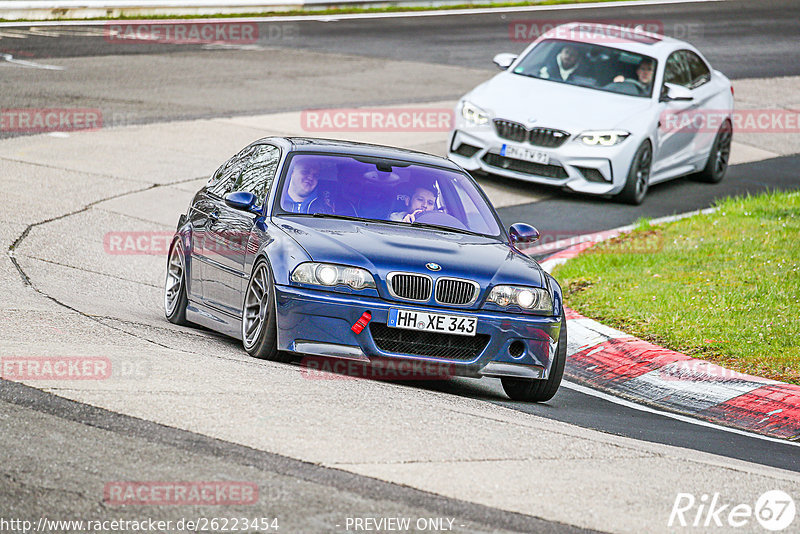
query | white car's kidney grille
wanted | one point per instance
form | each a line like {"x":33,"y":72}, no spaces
{"x":547,"y":137}
{"x":514,"y":131}
{"x":410,"y":286}
{"x":452,"y":291}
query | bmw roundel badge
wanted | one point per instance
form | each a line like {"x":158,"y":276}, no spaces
{"x":433,"y":266}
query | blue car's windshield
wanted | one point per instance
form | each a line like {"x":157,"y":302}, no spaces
{"x":384,"y":190}
{"x":590,"y":65}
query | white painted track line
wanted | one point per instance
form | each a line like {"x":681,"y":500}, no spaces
{"x":678,"y":417}
{"x":332,"y":18}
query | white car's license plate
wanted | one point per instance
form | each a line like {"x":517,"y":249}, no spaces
{"x":432,"y":322}
{"x":525,"y":154}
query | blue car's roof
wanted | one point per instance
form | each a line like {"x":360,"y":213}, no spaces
{"x":336,"y":146}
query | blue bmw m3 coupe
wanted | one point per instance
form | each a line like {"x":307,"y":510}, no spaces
{"x":334,"y":249}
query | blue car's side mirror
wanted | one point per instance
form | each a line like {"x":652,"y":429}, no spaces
{"x":523,"y":233}
{"x":241,"y":200}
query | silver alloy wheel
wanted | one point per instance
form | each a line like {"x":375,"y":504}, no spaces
{"x":256,"y":306}
{"x":175,"y":279}
{"x":643,"y":173}
{"x":723,"y":151}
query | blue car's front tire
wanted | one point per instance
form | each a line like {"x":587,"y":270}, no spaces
{"x":259,"y":330}
{"x":524,"y":389}
{"x":175,"y":299}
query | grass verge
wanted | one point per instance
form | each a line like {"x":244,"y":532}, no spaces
{"x":329,"y":12}
{"x":724,"y":287}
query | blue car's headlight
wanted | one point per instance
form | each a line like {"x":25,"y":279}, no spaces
{"x":331,"y":275}
{"x":528,"y":298}
{"x":603,"y":137}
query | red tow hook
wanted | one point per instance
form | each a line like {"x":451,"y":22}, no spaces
{"x":361,"y":323}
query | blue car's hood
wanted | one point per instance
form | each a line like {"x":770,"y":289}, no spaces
{"x":383,"y":248}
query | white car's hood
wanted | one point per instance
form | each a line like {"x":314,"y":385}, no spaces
{"x":573,"y":109}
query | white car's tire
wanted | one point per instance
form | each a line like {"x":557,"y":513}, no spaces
{"x":718,"y":158}
{"x":638,"y":180}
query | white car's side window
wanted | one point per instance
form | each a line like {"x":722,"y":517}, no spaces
{"x":698,"y":70}
{"x":676,"y":70}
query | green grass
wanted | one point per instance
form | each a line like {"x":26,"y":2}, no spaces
{"x":724,"y":287}
{"x":335,"y":11}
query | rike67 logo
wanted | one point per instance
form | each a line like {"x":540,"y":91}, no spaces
{"x":774,"y":510}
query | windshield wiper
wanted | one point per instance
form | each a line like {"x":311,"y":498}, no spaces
{"x":383,"y":221}
{"x":446,"y":228}
{"x":334,"y":216}
{"x":530,"y":75}
{"x":326,"y":216}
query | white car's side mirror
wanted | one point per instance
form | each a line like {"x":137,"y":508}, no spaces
{"x":503,"y":61}
{"x":671,"y":92}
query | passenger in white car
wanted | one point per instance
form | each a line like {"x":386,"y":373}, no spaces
{"x":644,"y":74}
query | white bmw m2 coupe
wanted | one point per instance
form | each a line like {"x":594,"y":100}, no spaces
{"x":598,"y":109}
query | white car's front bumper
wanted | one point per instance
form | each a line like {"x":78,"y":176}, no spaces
{"x":598,"y":170}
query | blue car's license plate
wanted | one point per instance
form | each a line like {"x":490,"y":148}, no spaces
{"x":433,"y":322}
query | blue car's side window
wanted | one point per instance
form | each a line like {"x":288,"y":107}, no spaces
{"x":224,"y":179}
{"x":259,"y":172}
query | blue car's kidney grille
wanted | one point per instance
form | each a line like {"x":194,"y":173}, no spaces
{"x":452,"y":291}
{"x":431,"y":344}
{"x":410,"y":286}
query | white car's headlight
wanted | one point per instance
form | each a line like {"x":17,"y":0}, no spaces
{"x":329,"y":275}
{"x":603,"y":137}
{"x":527,"y":298}
{"x":473,"y":113}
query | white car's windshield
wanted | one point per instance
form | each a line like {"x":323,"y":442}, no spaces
{"x":384,"y":190}
{"x":590,"y":65}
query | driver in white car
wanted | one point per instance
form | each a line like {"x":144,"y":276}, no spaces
{"x":421,"y":200}
{"x":644,"y":74}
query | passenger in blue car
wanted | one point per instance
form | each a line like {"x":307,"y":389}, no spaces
{"x":422,"y":199}
{"x":302,"y":191}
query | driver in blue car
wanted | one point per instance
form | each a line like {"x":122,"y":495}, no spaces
{"x":644,"y":74}
{"x":302,"y":189}
{"x":421,"y":200}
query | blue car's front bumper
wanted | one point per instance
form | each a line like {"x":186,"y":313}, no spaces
{"x":319,"y":322}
